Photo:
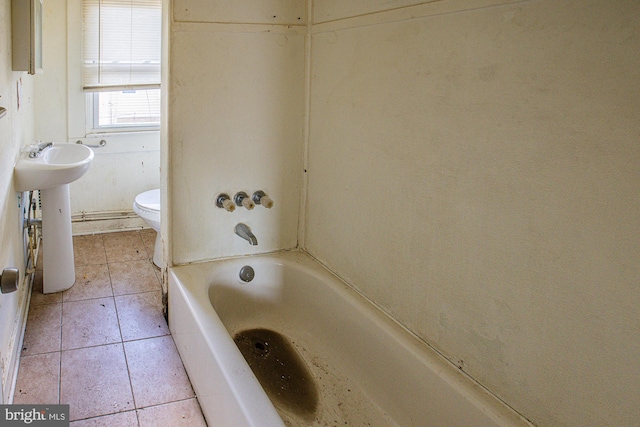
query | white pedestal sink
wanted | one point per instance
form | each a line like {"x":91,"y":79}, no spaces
{"x":51,"y":172}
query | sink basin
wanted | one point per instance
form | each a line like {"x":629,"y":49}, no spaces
{"x":57,"y":165}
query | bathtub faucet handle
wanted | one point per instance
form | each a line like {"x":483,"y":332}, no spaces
{"x":223,"y":201}
{"x":242,"y":199}
{"x":260,"y":198}
{"x":244,"y":231}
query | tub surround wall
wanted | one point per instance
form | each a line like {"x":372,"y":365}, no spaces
{"x":471,"y":167}
{"x":236,"y":121}
{"x":335,"y":10}
{"x":16,"y":128}
{"x":487,"y":164}
{"x":282,"y":12}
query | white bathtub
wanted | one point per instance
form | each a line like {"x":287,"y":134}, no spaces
{"x":368,"y":369}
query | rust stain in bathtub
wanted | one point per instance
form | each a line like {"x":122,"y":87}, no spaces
{"x":280,"y":370}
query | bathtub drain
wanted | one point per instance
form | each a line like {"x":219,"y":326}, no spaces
{"x":280,"y":370}
{"x":261,"y":348}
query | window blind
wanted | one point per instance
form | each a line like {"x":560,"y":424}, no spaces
{"x":122,"y":44}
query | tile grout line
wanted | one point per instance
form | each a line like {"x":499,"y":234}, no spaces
{"x":124,"y":350}
{"x":60,"y":351}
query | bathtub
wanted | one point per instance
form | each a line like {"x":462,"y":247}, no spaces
{"x":367,"y":369}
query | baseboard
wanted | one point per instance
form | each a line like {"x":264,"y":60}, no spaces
{"x":17,"y":338}
{"x":105,"y":222}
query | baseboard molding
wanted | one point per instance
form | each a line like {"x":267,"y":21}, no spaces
{"x":105,"y":222}
{"x":17,"y":339}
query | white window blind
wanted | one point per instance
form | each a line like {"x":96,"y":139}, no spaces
{"x":122,"y":44}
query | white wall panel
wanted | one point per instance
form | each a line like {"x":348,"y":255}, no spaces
{"x":476,"y":175}
{"x":290,"y":12}
{"x":329,"y":10}
{"x":236,"y":123}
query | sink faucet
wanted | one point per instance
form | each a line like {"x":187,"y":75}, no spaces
{"x":37,"y":148}
{"x":244,"y":231}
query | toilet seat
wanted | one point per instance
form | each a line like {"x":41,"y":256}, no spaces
{"x":147,"y":205}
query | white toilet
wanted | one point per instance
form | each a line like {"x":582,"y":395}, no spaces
{"x":147,"y":206}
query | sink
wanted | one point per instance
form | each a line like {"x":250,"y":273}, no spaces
{"x":57,"y":165}
{"x":51,"y":173}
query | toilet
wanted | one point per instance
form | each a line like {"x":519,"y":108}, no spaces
{"x":147,"y":206}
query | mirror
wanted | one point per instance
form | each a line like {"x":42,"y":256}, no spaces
{"x":26,"y":35}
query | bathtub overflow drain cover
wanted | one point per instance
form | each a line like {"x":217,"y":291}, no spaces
{"x":247,"y":274}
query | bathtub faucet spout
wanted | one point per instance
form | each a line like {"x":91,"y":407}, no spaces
{"x":244,"y":231}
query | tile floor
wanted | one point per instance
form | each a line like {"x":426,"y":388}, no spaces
{"x":103,"y":346}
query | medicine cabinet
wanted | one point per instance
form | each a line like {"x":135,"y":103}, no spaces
{"x":26,"y":35}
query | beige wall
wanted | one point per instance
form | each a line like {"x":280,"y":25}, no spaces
{"x":236,"y":121}
{"x":16,"y":128}
{"x":475,"y":171}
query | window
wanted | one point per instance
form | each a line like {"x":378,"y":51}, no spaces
{"x":126,"y":109}
{"x":121,"y":63}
